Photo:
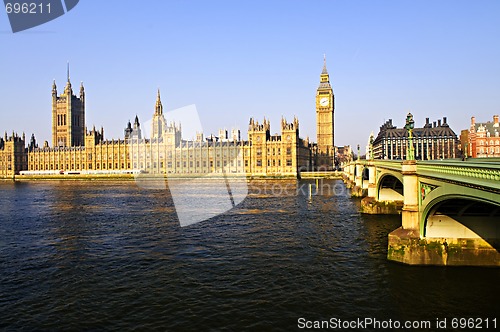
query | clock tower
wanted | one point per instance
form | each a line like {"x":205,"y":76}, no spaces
{"x":325,"y":106}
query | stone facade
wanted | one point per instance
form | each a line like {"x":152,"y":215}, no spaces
{"x":13,"y":158}
{"x":166,"y":152}
{"x":78,"y":150}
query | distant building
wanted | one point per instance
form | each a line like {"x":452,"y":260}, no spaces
{"x":13,"y":157}
{"x":343,"y":156}
{"x":433,"y":141}
{"x":482,"y":140}
{"x":166,"y":152}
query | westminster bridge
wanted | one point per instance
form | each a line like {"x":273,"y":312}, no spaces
{"x":450,"y":208}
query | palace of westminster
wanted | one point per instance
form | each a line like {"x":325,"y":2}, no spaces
{"x":75,"y":149}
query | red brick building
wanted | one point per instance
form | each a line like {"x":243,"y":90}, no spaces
{"x":483,"y":139}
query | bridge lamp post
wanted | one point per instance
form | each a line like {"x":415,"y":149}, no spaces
{"x":371,"y":147}
{"x":410,"y":155}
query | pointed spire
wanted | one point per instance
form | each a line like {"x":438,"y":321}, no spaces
{"x":158,"y":106}
{"x":68,"y":72}
{"x":324,"y":83}
{"x":324,"y":65}
{"x":82,"y":91}
{"x":54,"y":87}
{"x":67,"y":90}
{"x":136,"y":121}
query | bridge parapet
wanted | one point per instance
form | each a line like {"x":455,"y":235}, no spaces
{"x":393,"y":165}
{"x":484,"y":175}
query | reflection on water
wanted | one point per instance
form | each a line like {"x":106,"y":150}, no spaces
{"x":110,"y":255}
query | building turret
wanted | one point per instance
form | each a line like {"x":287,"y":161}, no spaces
{"x":158,"y":105}
{"x":128,"y":130}
{"x":54,"y":89}
{"x":259,"y":132}
{"x":136,"y":133}
{"x":32,"y":144}
{"x":158,"y":123}
{"x":82,"y":92}
{"x":67,"y":89}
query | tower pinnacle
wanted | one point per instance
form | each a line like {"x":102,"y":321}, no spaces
{"x":158,"y":106}
{"x":324,"y":65}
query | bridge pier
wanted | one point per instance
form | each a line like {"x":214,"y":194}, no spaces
{"x":371,"y":204}
{"x":357,"y":190}
{"x":404,"y":242}
{"x":348,"y":176}
{"x":372,"y":181}
{"x":410,"y":214}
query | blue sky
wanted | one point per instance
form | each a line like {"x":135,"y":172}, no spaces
{"x":242,"y":59}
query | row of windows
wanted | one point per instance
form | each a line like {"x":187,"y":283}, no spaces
{"x":51,"y":167}
{"x":272,"y":162}
{"x":61,"y":119}
{"x":148,"y":165}
{"x":497,"y":142}
{"x":488,"y":134}
{"x":491,"y":150}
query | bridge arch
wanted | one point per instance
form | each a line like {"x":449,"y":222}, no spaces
{"x":390,"y":187}
{"x":464,"y":217}
{"x":365,"y":177}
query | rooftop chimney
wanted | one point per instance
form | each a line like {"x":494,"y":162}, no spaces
{"x":444,"y":120}
{"x":473,"y":120}
{"x":495,"y":120}
{"x":426,"y":121}
{"x":434,"y":124}
{"x":439,"y":123}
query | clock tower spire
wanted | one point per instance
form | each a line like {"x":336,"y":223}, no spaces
{"x":325,"y":107}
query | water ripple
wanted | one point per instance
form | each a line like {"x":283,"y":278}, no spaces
{"x":84,"y":256}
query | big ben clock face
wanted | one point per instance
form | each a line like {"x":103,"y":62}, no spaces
{"x":323,"y":101}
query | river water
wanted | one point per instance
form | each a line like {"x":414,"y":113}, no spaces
{"x":90,"y":255}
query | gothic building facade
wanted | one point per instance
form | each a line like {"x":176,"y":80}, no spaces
{"x":13,"y":158}
{"x":78,"y":150}
{"x":165,"y":152}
